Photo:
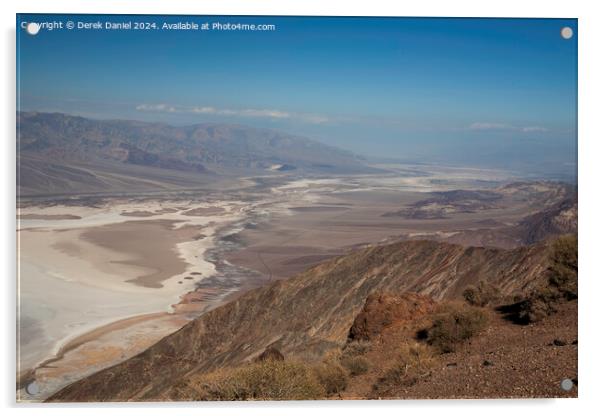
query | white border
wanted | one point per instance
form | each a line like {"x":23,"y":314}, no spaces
{"x":590,"y":159}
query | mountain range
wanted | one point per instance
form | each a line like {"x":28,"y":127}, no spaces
{"x":60,"y":153}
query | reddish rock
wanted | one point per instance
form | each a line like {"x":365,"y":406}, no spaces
{"x":383,"y":309}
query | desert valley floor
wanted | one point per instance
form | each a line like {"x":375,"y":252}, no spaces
{"x":102,"y":278}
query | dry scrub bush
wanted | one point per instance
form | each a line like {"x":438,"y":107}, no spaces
{"x":541,"y":303}
{"x":483,"y":294}
{"x":331,"y":376}
{"x":351,"y":357}
{"x":454,"y":323}
{"x":414,"y":362}
{"x":561,"y":284}
{"x":355,"y":348}
{"x":265,"y":380}
{"x":563,"y":271}
{"x":356,"y":365}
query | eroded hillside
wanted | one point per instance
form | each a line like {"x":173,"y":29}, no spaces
{"x":310,"y":314}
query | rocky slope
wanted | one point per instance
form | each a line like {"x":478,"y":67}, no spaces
{"x":554,"y":220}
{"x":310,"y":314}
{"x":560,"y":218}
{"x":504,"y":360}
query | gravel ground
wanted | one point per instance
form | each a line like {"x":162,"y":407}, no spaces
{"x":505,"y":361}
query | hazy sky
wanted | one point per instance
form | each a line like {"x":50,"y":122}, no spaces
{"x":481,"y":91}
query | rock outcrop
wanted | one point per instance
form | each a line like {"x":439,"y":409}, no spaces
{"x":384,"y":309}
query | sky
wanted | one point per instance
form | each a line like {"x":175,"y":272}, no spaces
{"x":482,"y":92}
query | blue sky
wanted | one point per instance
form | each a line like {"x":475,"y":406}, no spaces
{"x":477,"y":91}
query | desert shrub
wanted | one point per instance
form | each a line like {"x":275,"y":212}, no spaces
{"x":355,"y":348}
{"x":453,"y":324}
{"x":540,"y":303}
{"x":414,"y":362}
{"x":483,"y":294}
{"x":471,"y":295}
{"x":264,"y":380}
{"x":561,"y":283}
{"x":356,"y":365}
{"x":563,"y":270}
{"x":331,"y":376}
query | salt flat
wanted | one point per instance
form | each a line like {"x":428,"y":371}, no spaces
{"x":91,"y":266}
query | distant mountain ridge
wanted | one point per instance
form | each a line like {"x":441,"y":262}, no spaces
{"x":71,"y":153}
